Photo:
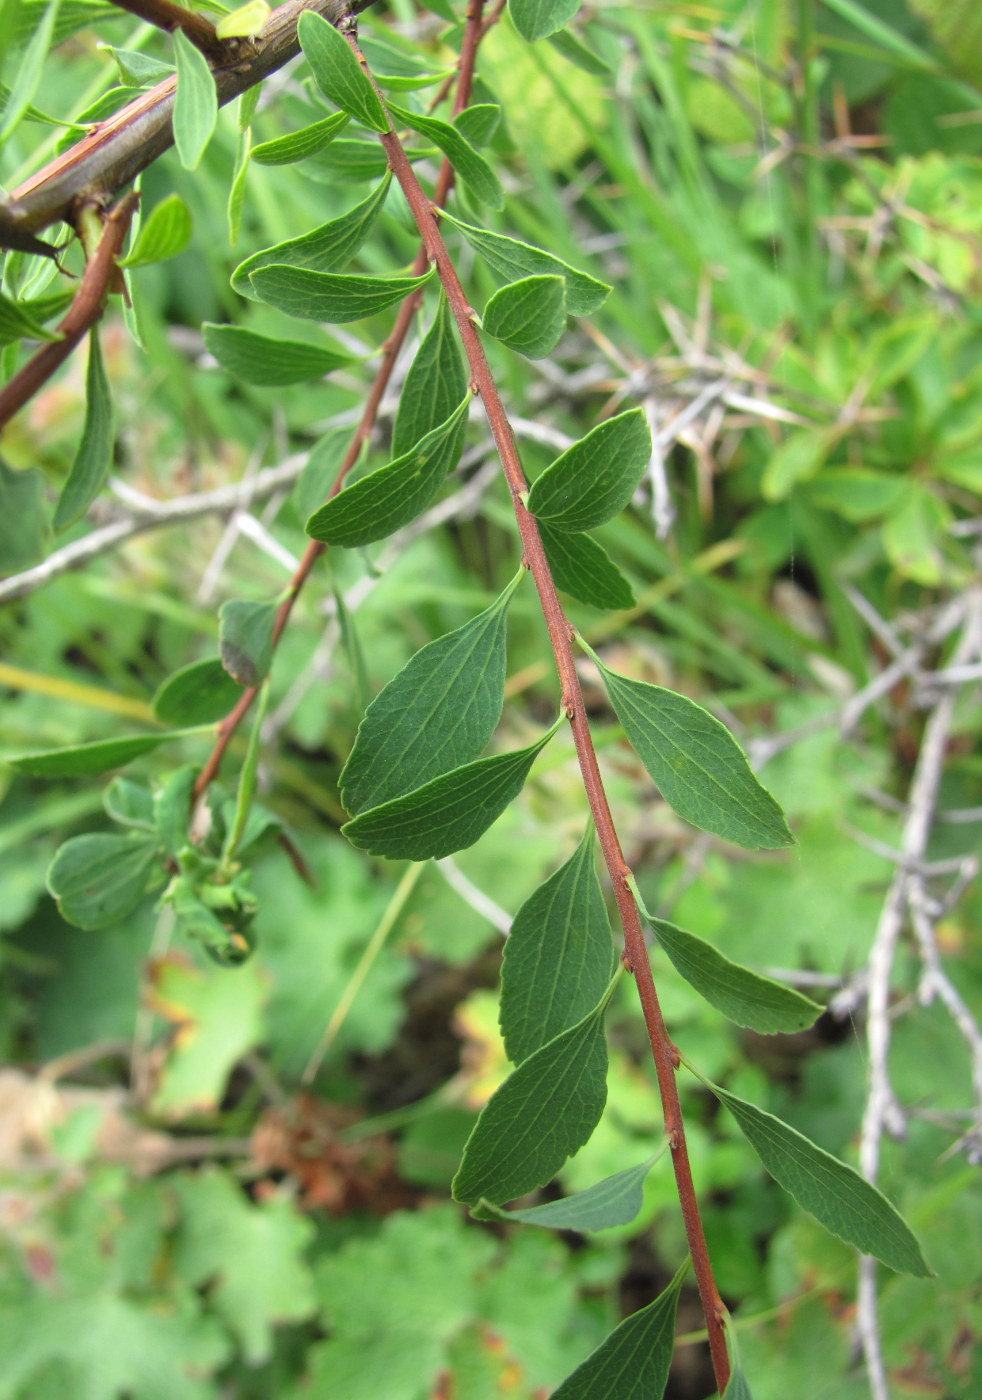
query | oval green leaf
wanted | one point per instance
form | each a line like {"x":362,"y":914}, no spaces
{"x":165,"y":233}
{"x":595,"y":478}
{"x":338,"y":73}
{"x":97,"y":879}
{"x":537,"y":19}
{"x":84,"y":760}
{"x":435,"y":384}
{"x":478,"y":123}
{"x":129,"y":803}
{"x":616,"y":1200}
{"x":201,"y":693}
{"x":261,"y":359}
{"x":195,"y":102}
{"x":245,"y":639}
{"x":95,"y":449}
{"x":471,"y":168}
{"x":584,"y":569}
{"x":528,"y":316}
{"x":297,"y":145}
{"x":330,"y":296}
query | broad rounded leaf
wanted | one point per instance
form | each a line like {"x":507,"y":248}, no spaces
{"x":471,"y":168}
{"x":95,"y":449}
{"x":260,"y":359}
{"x":83,"y":760}
{"x":330,"y":296}
{"x":616,"y":1200}
{"x":528,"y":316}
{"x":543,"y":1113}
{"x":699,"y":767}
{"x":584,"y":569}
{"x":836,"y":1195}
{"x":435,"y":383}
{"x":297,"y":145}
{"x":245,"y":639}
{"x":595,"y":478}
{"x":195,"y":102}
{"x":536,"y":19}
{"x":201,"y":693}
{"x":165,"y":233}
{"x":97,"y":879}
{"x":338,"y":73}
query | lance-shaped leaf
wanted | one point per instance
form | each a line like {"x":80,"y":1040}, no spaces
{"x":84,"y":760}
{"x":392,"y":68}
{"x":329,"y":296}
{"x":389,"y":498}
{"x":261,"y":359}
{"x":633,"y":1362}
{"x":737,"y":1387}
{"x":536,"y":19}
{"x":201,"y":693}
{"x":512,"y":260}
{"x":22,"y":318}
{"x":338,"y":73}
{"x":528,"y":316}
{"x":95,"y":449}
{"x":584,"y":569}
{"x":30,"y":65}
{"x":325,"y":249}
{"x":559,"y":957}
{"x":595,"y":478}
{"x":245,"y":639}
{"x":139,"y":69}
{"x":164,"y":234}
{"x":576,"y":52}
{"x":613,"y":1201}
{"x":836,"y":1195}
{"x":195,"y":102}
{"x":297,"y":145}
{"x":745,"y":997}
{"x":97,"y":879}
{"x":699,"y":767}
{"x":448,"y":813}
{"x":437,"y":714}
{"x":435,"y":384}
{"x":543,"y":1113}
{"x":471,"y":168}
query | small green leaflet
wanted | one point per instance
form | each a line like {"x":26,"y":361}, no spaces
{"x":129,"y":803}
{"x":83,"y":760}
{"x":164,"y":234}
{"x":559,"y":957}
{"x":536,"y":19}
{"x":201,"y":693}
{"x":836,"y":1195}
{"x":97,"y":879}
{"x":19,"y":319}
{"x":172,"y":809}
{"x":29,"y":68}
{"x":633,"y":1362}
{"x":543,"y":1113}
{"x":471,"y":167}
{"x":330,"y":296}
{"x":512,"y":260}
{"x":95,"y":449}
{"x":737,"y":1387}
{"x":435,"y":384}
{"x":584,"y":569}
{"x":197,"y":921}
{"x":260,"y":359}
{"x":346,"y":162}
{"x":299,"y":144}
{"x":245,"y":639}
{"x":338,"y":73}
{"x":195,"y":102}
{"x":247,"y":784}
{"x":389,"y":498}
{"x":248,"y":20}
{"x":478,"y":124}
{"x":139,"y":69}
{"x":236,"y":194}
{"x":699,"y":767}
{"x":448,"y":813}
{"x":528,"y":316}
{"x":759,"y":1003}
{"x":613,"y":1201}
{"x":438,"y":713}
{"x":394,"y":69}
{"x":595,"y":478}
{"x":23,"y":518}
{"x":577,"y":53}
{"x":324,"y":249}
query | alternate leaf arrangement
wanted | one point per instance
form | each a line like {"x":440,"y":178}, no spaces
{"x":419,"y":783}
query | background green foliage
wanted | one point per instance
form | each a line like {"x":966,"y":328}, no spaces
{"x":811,"y":311}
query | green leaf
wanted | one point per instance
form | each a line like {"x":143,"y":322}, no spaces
{"x":236,"y":194}
{"x":436,"y":383}
{"x":324,"y":249}
{"x":478,"y":123}
{"x":297,"y":145}
{"x":140,"y":69}
{"x":346,"y":162}
{"x":699,"y":767}
{"x":389,"y":498}
{"x":737,"y":1387}
{"x":512,"y":260}
{"x":857,"y":493}
{"x":576,"y":52}
{"x":392,"y":68}
{"x":471,"y":168}
{"x":95,"y":449}
{"x":528,"y":316}
{"x":172,"y":809}
{"x":97,"y":879}
{"x":836,"y":1195}
{"x":448,"y":813}
{"x":83,"y":760}
{"x":29,"y":67}
{"x":19,"y":319}
{"x":614,"y":1201}
{"x":195,"y":102}
{"x":633,"y":1362}
{"x":165,"y":233}
{"x":261,"y":359}
{"x":543,"y":1113}
{"x":536,"y":19}
{"x":559,"y":956}
{"x":245,"y":639}
{"x":320,"y":471}
{"x":595,"y":478}
{"x":245,"y":22}
{"x":23,"y":527}
{"x":338,"y":73}
{"x":797,"y":459}
{"x":201,"y":693}
{"x":437,"y":714}
{"x":745,"y":997}
{"x":129,"y":803}
{"x":330,"y":296}
{"x":584,"y":569}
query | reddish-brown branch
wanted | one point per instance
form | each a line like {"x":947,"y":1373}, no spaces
{"x":168,"y":16}
{"x":87,"y":307}
{"x":560,"y":634}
